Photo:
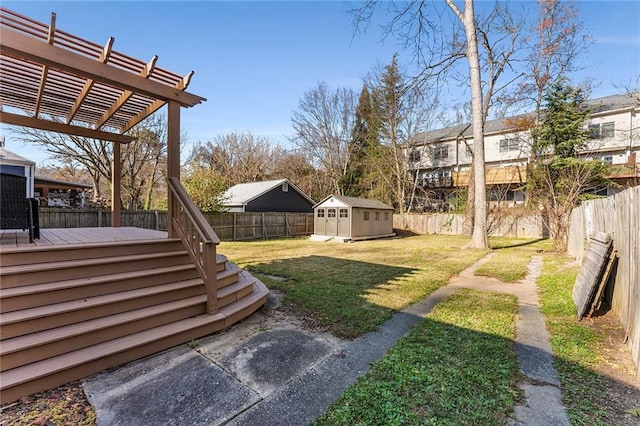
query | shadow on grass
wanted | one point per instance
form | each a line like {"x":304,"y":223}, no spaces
{"x":348,"y":296}
{"x":521,"y":244}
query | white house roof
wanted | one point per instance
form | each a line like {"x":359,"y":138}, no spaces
{"x":243,"y":193}
{"x":8,"y":157}
{"x":362,"y":203}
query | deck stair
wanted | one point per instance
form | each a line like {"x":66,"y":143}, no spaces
{"x":67,"y":312}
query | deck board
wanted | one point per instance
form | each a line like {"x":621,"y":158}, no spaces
{"x":63,"y":236}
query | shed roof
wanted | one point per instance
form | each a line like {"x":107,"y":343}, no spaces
{"x":362,"y":203}
{"x":243,"y":193}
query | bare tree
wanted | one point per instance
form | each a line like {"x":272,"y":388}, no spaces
{"x":144,"y":163}
{"x":401,"y":111}
{"x":438,"y":44}
{"x":556,"y":40}
{"x":72,"y":152}
{"x":143,"y":160}
{"x":239,"y":157}
{"x":297,"y":168}
{"x":323,"y":126}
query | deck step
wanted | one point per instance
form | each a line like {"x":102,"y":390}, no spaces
{"x":60,"y":253}
{"x":27,"y":321}
{"x":15,"y":276}
{"x":37,"y":346}
{"x":74,"y":365}
{"x":31,"y":296}
{"x":236,"y":291}
{"x":228,"y":276}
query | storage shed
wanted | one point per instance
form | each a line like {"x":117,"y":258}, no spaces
{"x":269,"y":196}
{"x":350,"y":218}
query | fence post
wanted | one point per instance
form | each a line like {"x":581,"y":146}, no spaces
{"x":235,"y":223}
{"x":99,"y":218}
{"x":286,"y":224}
{"x":264,"y":227}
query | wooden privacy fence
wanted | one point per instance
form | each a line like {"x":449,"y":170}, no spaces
{"x":616,"y":215}
{"x":500,"y":224}
{"x":228,"y":226}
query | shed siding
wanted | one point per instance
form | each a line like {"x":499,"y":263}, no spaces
{"x":373,"y":226}
{"x":277,"y":200}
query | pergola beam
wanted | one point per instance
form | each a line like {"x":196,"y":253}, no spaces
{"x":19,"y":45}
{"x":45,"y":68}
{"x":52,"y":126}
{"x":156,"y":105}
{"x":126,"y":94}
{"x":104,"y":57}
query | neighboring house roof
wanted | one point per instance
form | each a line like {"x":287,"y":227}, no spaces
{"x":9,"y":157}
{"x":598,"y":105}
{"x":362,"y":203}
{"x":66,"y":184}
{"x":243,"y":193}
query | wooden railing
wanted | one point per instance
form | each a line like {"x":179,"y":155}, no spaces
{"x":188,"y":223}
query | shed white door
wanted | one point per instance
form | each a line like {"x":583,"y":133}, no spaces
{"x":321,"y":222}
{"x":332,"y":222}
{"x":343,"y":222}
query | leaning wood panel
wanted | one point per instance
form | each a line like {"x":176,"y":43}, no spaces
{"x":617,"y":215}
{"x":590,"y":273}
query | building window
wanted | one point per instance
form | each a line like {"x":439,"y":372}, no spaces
{"x":607,"y":159}
{"x":377,"y":216}
{"x":344,"y":213}
{"x":594,"y":131}
{"x":608,"y":130}
{"x":366,"y":215}
{"x":386,"y":215}
{"x":440,"y":152}
{"x":509,"y":144}
{"x":320,"y":212}
{"x":415,"y":155}
{"x":331,"y":212}
{"x":285,"y":187}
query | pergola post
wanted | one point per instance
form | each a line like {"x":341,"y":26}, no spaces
{"x":116,"y":173}
{"x":173,"y":157}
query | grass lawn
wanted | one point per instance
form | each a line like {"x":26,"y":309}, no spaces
{"x":591,"y":398}
{"x":353,"y":288}
{"x":456,"y":367}
{"x":511,"y":256}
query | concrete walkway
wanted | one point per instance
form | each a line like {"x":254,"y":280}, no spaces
{"x":268,"y":370}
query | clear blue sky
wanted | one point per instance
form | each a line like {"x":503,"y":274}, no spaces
{"x":254,"y":60}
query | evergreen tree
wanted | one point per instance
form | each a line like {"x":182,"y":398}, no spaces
{"x":365,"y":137}
{"x":561,"y":129}
{"x":559,"y":179}
{"x":389,"y":159}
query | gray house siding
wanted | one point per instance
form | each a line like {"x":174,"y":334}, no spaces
{"x":277,"y":200}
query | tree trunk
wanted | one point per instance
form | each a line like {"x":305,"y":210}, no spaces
{"x":479,"y":238}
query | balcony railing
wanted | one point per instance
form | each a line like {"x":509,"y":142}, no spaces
{"x":623,"y":171}
{"x":443,"y":182}
{"x":495,"y":176}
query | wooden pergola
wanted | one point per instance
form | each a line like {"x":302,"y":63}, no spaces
{"x":54,"y":81}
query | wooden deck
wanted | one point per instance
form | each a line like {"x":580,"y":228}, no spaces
{"x":62,"y":236}
{"x":82,"y":300}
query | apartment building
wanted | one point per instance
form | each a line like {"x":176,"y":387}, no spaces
{"x":440,"y":160}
